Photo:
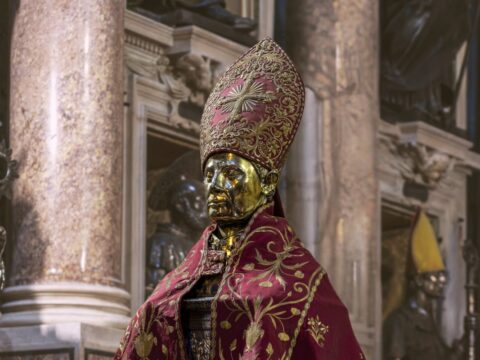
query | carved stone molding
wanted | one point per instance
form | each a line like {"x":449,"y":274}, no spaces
{"x":422,"y":154}
{"x":195,"y":40}
{"x":187,"y":80}
{"x":147,"y":29}
{"x":416,"y":162}
{"x":143,"y":43}
{"x":198,"y":73}
{"x":432,"y":166}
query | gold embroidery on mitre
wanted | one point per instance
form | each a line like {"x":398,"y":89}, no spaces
{"x":318,"y":330}
{"x":244,"y":97}
{"x":233,"y":119}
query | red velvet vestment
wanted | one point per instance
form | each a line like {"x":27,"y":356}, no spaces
{"x":274,"y":302}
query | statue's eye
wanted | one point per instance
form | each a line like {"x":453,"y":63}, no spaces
{"x":208,"y":175}
{"x":232,"y":174}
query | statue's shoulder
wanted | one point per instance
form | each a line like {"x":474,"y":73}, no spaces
{"x":399,"y":318}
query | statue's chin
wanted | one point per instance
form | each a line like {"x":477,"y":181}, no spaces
{"x":223,"y":218}
{"x":226,"y":215}
{"x":229,"y":219}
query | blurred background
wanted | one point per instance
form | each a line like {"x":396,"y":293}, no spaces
{"x":100,"y":104}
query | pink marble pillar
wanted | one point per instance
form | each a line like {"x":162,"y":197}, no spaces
{"x":66,"y":116}
{"x":335,"y":46}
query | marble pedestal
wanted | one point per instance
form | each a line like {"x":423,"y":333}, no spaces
{"x":68,"y":341}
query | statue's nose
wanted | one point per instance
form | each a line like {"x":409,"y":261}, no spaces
{"x":218,"y":181}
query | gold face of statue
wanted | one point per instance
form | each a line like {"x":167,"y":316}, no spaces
{"x":433,"y":283}
{"x":234,"y":187}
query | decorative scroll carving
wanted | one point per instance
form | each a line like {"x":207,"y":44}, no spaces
{"x":151,"y":68}
{"x":416,"y":162}
{"x":431,"y":166}
{"x":188,"y":80}
{"x":197,"y":73}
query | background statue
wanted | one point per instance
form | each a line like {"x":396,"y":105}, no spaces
{"x":214,"y":9}
{"x":420,"y":39}
{"x":411,"y":331}
{"x":178,"y":192}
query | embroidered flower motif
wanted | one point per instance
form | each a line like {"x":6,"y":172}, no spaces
{"x":144,"y":344}
{"x":244,"y":97}
{"x":318,"y":330}
{"x":277,"y":267}
{"x":145,"y":340}
{"x":253,"y":333}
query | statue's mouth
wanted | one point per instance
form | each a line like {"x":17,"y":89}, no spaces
{"x":217,"y":203}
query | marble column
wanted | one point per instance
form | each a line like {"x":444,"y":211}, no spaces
{"x":335,"y":46}
{"x":66,"y":116}
{"x":304,"y":175}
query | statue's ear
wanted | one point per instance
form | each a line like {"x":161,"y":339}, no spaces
{"x":181,"y":204}
{"x":269,"y":183}
{"x":418,"y":280}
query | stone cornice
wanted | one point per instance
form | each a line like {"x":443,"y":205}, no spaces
{"x":421,"y":133}
{"x":148,"y":29}
{"x":192,"y":39}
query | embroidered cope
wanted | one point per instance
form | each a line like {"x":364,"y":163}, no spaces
{"x":274,"y":302}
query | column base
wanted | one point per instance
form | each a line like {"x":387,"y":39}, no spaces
{"x":67,"y":341}
{"x":58,"y":303}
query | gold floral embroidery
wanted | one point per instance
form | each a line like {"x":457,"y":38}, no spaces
{"x":253,"y":334}
{"x":269,"y":350}
{"x":316,"y":284}
{"x":277,"y":268}
{"x":293,"y":307}
{"x":318,"y":330}
{"x":239,"y":246}
{"x":145,"y":340}
{"x":266,"y":308}
{"x":245,"y":97}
